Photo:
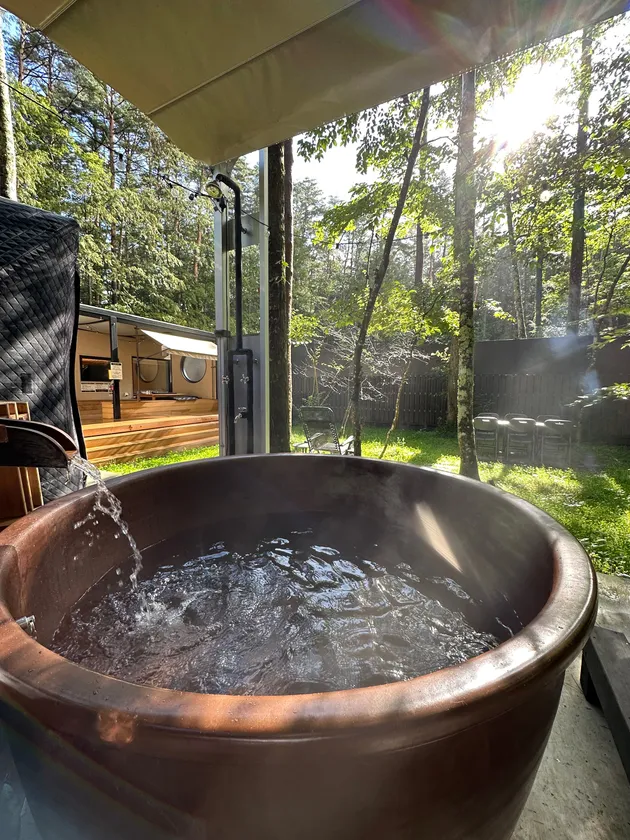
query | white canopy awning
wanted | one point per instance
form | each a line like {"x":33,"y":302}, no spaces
{"x":180,"y":346}
{"x":227,"y":77}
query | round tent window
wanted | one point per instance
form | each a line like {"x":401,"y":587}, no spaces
{"x":148,"y":369}
{"x":193,"y":370}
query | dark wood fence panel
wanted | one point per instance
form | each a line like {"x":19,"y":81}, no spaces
{"x":606,"y":422}
{"x":424,"y":401}
{"x":530,"y":393}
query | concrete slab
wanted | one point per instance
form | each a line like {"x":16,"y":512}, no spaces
{"x":581,"y":791}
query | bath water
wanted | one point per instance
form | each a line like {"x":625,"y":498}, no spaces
{"x":107,"y":503}
{"x":285,"y":615}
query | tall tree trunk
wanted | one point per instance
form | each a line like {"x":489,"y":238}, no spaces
{"x":21,"y":51}
{"x":199,"y":237}
{"x":451,"y":388}
{"x":579,"y":186}
{"x":50,"y":66}
{"x":8,"y":171}
{"x":463,"y":244}
{"x":288,"y":257}
{"x":419,"y":267}
{"x":111,"y":148}
{"x":279,"y":412}
{"x":602,"y":272}
{"x":381,"y":271}
{"x":111,"y":138}
{"x":198,"y":242}
{"x":521,"y":324}
{"x":540,"y":259}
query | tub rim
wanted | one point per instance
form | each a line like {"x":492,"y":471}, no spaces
{"x":438,"y":703}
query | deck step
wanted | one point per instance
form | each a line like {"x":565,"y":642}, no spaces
{"x":117,"y":427}
{"x":100,"y":441}
{"x":127,"y":440}
{"x":120,"y":444}
{"x":154,"y":453}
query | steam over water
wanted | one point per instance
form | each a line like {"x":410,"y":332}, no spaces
{"x":286,"y":615}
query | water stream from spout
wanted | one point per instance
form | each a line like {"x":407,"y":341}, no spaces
{"x":110,"y":505}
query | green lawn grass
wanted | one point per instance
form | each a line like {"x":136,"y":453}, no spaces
{"x":592,"y":502}
{"x":162,"y":460}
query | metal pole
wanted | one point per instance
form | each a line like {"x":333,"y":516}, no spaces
{"x":137,"y":394}
{"x":222,"y":318}
{"x":263,"y":356}
{"x":113,"y":353}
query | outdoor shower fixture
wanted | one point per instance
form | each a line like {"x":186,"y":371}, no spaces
{"x":242,"y":360}
{"x":238,"y":354}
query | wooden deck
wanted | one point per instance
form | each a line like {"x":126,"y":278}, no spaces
{"x":147,"y":429}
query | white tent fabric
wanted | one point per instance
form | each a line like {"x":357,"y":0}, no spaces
{"x":181,"y":346}
{"x":227,"y":77}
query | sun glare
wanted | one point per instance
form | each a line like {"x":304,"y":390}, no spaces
{"x":512,"y":119}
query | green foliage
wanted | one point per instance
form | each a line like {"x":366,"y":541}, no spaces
{"x":619,"y":391}
{"x":84,"y":151}
{"x":304,"y":328}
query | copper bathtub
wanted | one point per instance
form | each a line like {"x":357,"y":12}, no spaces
{"x":447,"y":756}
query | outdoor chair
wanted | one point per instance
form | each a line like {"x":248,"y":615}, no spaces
{"x":540,"y":421}
{"x":555,"y":444}
{"x":520,"y":440}
{"x":488,"y":414}
{"x":514,"y":415}
{"x":319,"y":426}
{"x":487,"y":437}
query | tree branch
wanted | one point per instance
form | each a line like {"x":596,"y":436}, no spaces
{"x":381,"y":271}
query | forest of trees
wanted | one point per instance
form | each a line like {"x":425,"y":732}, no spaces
{"x":534,"y":242}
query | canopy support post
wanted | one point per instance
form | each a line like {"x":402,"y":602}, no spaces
{"x":262,"y":439}
{"x":113,"y":354}
{"x":222,"y":325}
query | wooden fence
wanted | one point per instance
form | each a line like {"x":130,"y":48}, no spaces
{"x":424,"y":400}
{"x":530,"y":393}
{"x":607,"y":421}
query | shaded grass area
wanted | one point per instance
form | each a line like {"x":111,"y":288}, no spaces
{"x":592,"y":501}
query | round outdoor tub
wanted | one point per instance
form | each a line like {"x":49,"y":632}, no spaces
{"x":447,"y":756}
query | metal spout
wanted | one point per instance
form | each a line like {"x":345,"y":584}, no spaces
{"x":27,"y":623}
{"x":25,"y":443}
